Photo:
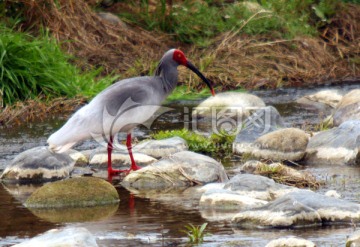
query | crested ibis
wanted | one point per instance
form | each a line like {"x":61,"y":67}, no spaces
{"x":122,"y":106}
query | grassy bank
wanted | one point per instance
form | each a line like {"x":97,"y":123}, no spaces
{"x":33,"y":68}
{"x":237,"y":44}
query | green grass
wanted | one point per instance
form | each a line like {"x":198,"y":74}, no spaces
{"x":216,"y":144}
{"x":195,"y":234}
{"x":196,"y":22}
{"x":185,"y":93}
{"x":32,"y":67}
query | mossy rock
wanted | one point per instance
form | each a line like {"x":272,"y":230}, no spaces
{"x":74,"y":192}
{"x":75,"y":214}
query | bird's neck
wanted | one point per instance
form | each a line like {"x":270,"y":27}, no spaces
{"x":169,"y":75}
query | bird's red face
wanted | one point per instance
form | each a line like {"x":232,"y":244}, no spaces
{"x":179,"y":57}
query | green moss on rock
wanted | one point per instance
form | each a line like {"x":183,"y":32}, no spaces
{"x":74,"y":192}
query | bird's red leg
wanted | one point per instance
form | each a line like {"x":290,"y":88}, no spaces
{"x":133,"y":167}
{"x":111,"y":171}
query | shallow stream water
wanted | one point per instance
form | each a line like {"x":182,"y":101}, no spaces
{"x":155,"y":221}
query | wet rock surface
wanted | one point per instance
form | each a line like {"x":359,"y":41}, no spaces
{"x":71,"y":236}
{"x":261,"y":122}
{"x":353,"y":240}
{"x":283,"y":144}
{"x":299,"y":209}
{"x":161,"y":148}
{"x":99,"y":158}
{"x":290,"y":242}
{"x":74,"y":192}
{"x":323,"y":100}
{"x":239,"y":103}
{"x":337,"y":146}
{"x":348,"y":108}
{"x":281,"y":173}
{"x":181,"y":169}
{"x":258,"y":187}
{"x":38,"y":165}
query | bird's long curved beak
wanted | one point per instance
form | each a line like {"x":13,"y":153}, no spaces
{"x":196,"y":71}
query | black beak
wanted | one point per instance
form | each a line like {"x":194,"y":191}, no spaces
{"x":196,"y":71}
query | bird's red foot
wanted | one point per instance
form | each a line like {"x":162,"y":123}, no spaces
{"x":113,"y":172}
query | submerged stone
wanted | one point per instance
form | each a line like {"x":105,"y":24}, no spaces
{"x":76,"y":214}
{"x":74,"y":192}
{"x":70,"y":236}
{"x":263,"y":121}
{"x":38,"y":165}
{"x":181,"y":169}
{"x":224,"y":200}
{"x":337,"y":146}
{"x":301,"y":208}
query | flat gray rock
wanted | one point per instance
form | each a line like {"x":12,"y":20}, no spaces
{"x":182,"y":169}
{"x":301,"y":208}
{"x":38,"y":165}
{"x":257,"y":187}
{"x":161,"y":148}
{"x":337,"y":146}
{"x":261,"y":122}
{"x":282,"y":144}
{"x":70,"y":236}
{"x":348,"y":108}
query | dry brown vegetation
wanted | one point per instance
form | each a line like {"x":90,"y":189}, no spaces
{"x":232,"y":61}
{"x":93,"y":40}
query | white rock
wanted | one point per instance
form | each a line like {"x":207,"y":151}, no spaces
{"x":71,"y":236}
{"x":38,"y":165}
{"x":241,"y":103}
{"x":290,"y":242}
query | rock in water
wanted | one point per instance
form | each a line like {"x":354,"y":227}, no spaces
{"x":283,"y":144}
{"x":263,"y":121}
{"x":290,"y":242}
{"x":301,"y":208}
{"x":100,"y":158}
{"x":71,"y":236}
{"x":240,"y":103}
{"x":73,"y":192}
{"x":258,"y":187}
{"x":337,"y":146}
{"x":161,"y":148}
{"x":348,"y":108}
{"x":354,"y":239}
{"x":323,"y":100}
{"x":181,"y":169}
{"x":38,"y":165}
